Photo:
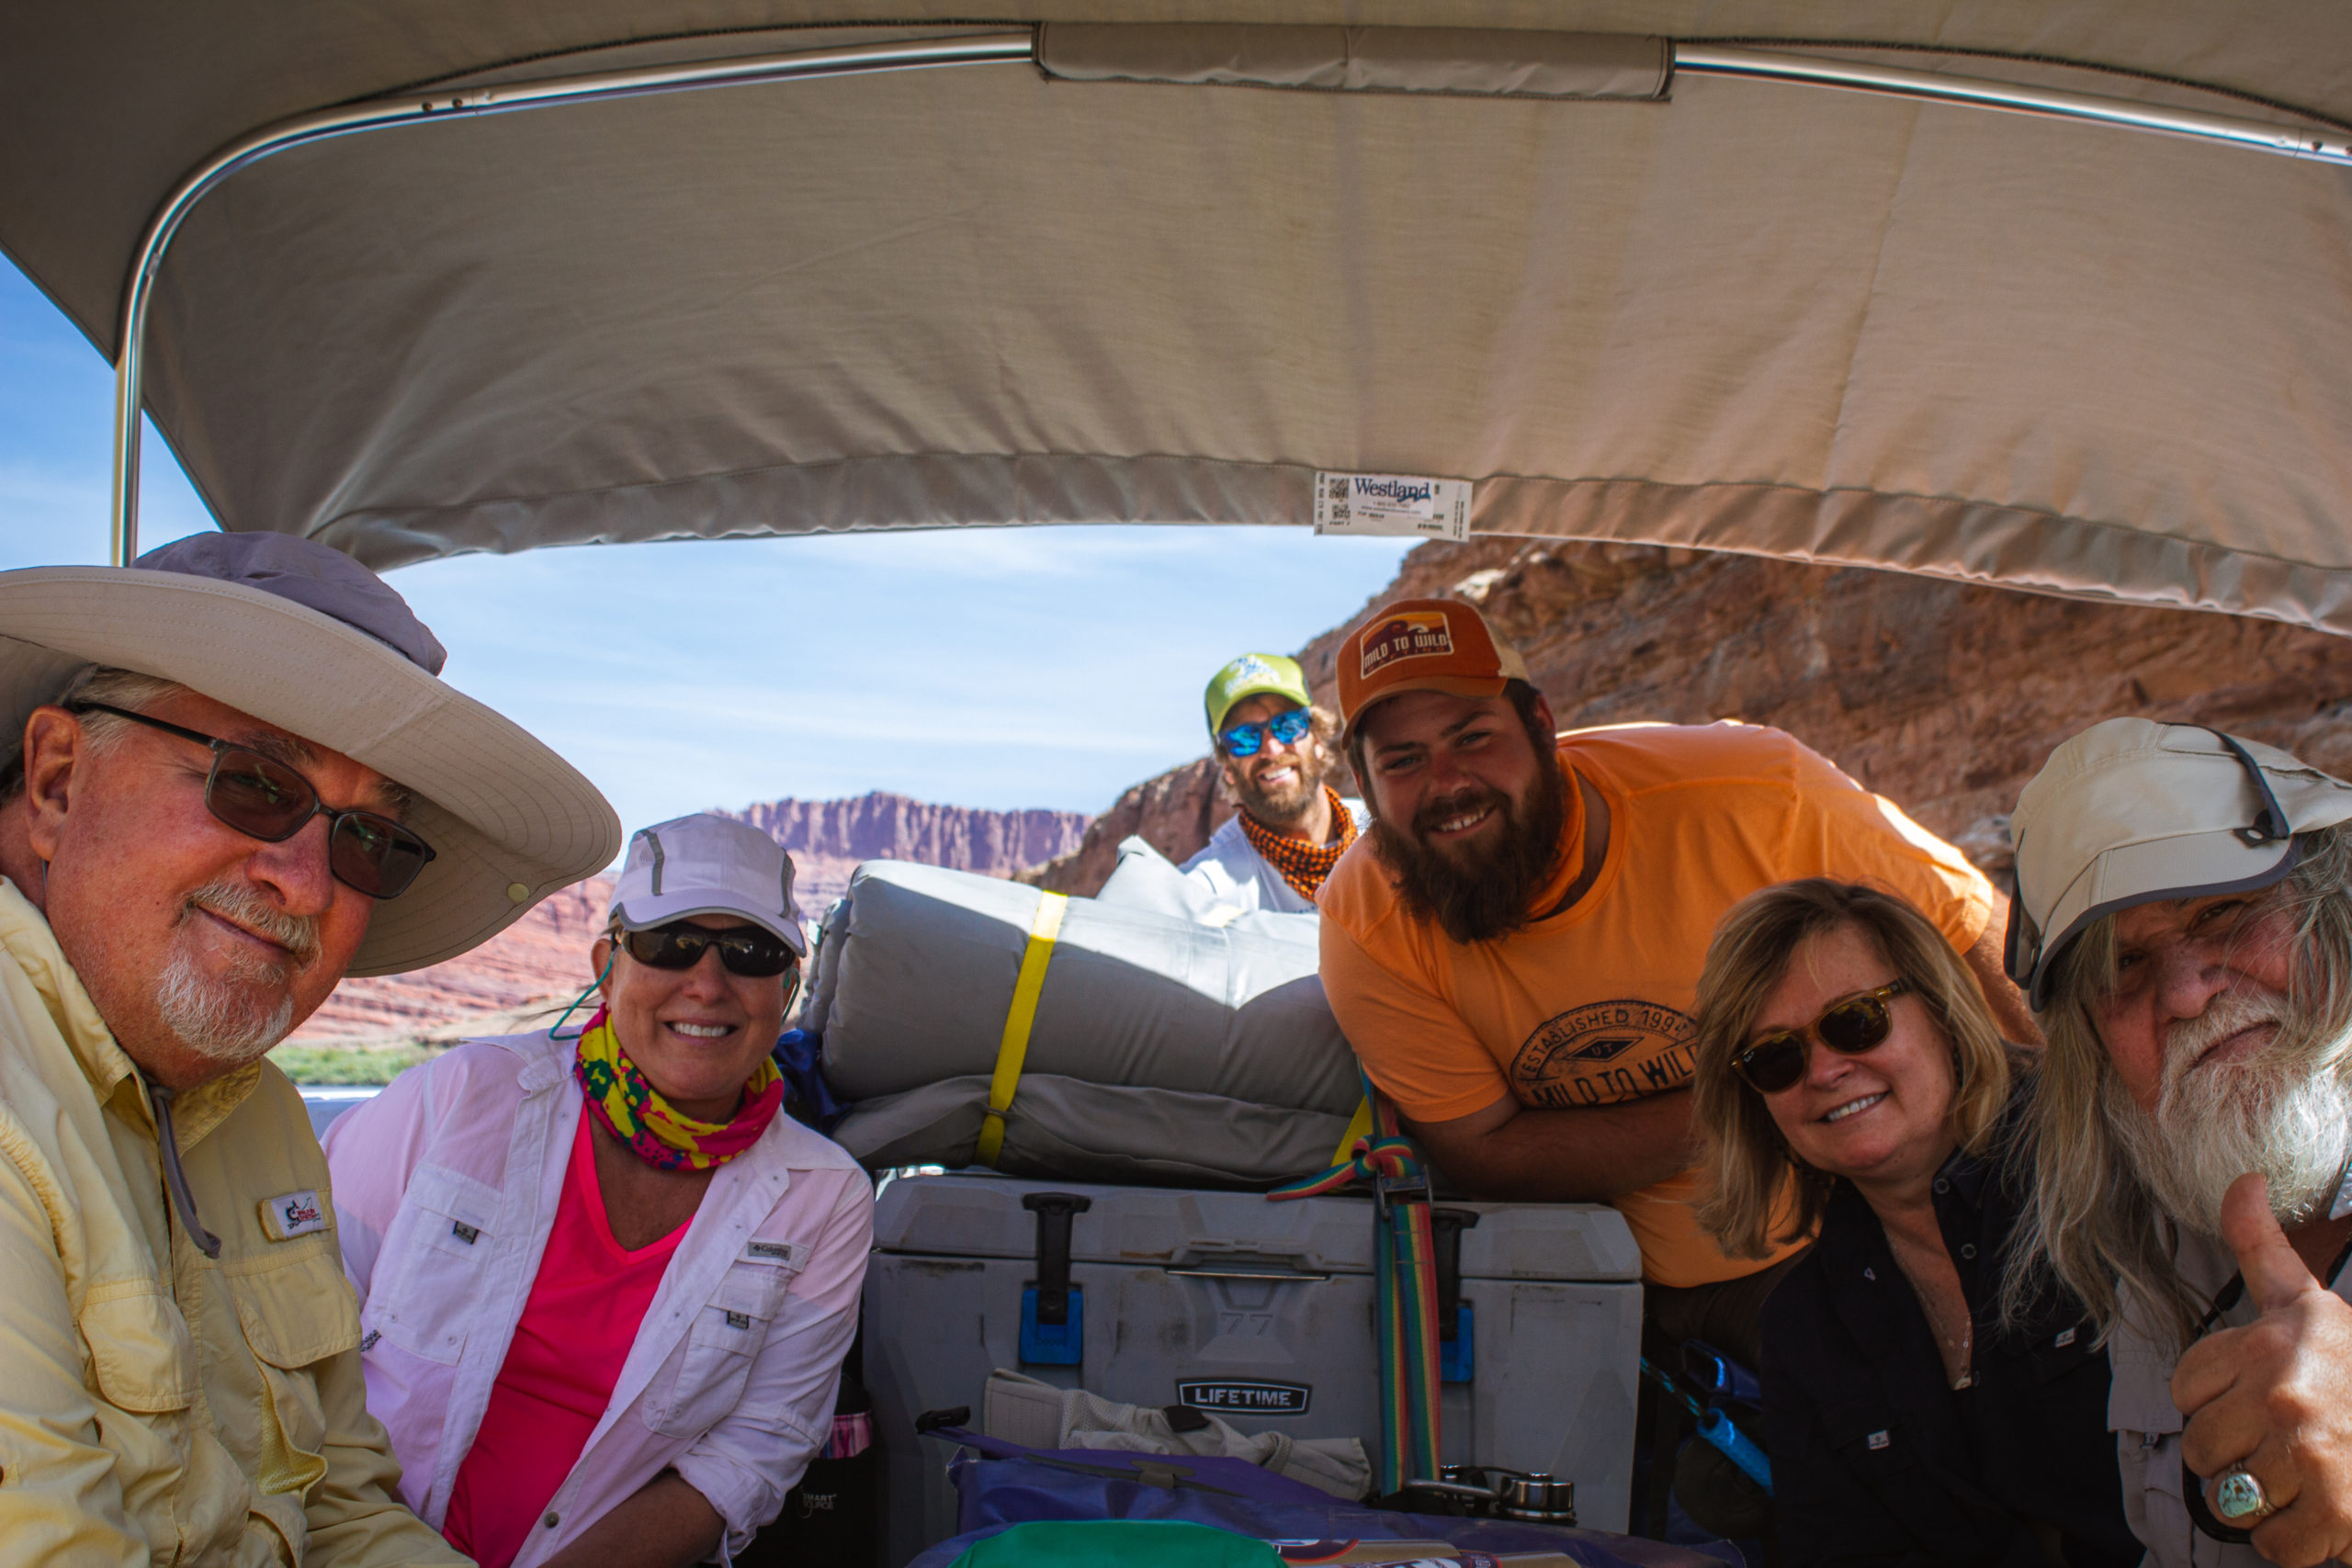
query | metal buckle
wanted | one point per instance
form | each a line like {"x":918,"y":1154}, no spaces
{"x":1391,"y":1190}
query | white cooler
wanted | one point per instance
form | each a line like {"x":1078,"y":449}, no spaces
{"x":1257,"y":1312}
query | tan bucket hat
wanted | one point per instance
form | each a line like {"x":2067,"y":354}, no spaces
{"x":2131,"y":811}
{"x":302,"y":635}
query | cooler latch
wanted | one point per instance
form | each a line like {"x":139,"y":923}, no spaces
{"x":1053,"y":1311}
{"x":1455,"y":1332}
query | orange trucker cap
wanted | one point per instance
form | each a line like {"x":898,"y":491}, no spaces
{"x":1423,"y":644}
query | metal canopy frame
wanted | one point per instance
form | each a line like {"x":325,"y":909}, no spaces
{"x":1014,"y":48}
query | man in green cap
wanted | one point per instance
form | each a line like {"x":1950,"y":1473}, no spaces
{"x":1277,"y":749}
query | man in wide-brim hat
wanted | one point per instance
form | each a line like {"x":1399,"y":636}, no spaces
{"x":229,"y":776}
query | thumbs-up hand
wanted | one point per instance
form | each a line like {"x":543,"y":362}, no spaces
{"x":2276,"y":1397}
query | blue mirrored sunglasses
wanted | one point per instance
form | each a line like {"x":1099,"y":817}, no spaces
{"x":1243,"y":739}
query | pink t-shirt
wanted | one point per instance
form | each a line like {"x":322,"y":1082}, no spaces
{"x":570,"y":1345}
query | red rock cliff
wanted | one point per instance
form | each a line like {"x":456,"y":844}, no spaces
{"x":1944,"y":697}
{"x":828,"y":838}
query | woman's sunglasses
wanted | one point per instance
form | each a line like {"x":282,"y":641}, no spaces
{"x":1849,"y":1026}
{"x":745,"y":950}
{"x":1244,"y":739}
{"x":265,"y":799}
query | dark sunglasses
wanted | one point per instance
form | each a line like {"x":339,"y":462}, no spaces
{"x":1849,"y":1026}
{"x":265,"y":799}
{"x":1244,"y":739}
{"x":745,"y":950}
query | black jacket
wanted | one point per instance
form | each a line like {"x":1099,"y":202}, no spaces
{"x":1877,"y":1460}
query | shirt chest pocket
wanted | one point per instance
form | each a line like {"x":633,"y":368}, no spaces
{"x":728,"y":1333}
{"x":2065,"y":1353}
{"x":1871,"y":1439}
{"x":296,"y":1311}
{"x":435,"y":1264}
{"x":142,"y":1358}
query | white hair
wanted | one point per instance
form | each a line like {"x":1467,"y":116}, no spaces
{"x":2114,"y":1183}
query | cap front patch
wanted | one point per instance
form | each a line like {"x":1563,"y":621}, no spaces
{"x":1410,"y":634}
{"x":290,"y":1214}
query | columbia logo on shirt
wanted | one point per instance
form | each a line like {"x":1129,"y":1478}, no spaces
{"x":792,"y":1255}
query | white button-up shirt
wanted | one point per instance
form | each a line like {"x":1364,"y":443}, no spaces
{"x":1232,"y":871}
{"x":445,"y":1187}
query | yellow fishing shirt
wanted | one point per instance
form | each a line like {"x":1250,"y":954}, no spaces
{"x":158,"y":1406}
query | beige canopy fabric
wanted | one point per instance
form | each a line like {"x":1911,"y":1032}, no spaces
{"x":1733,"y":314}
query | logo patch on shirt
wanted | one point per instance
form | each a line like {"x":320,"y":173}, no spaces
{"x":290,"y":1214}
{"x":791,"y":1254}
{"x":1605,"y":1054}
{"x":1410,"y":634}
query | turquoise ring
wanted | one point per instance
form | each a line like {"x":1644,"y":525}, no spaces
{"x":2238,"y":1496}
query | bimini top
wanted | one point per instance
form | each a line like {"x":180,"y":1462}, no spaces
{"x":1112,"y":272}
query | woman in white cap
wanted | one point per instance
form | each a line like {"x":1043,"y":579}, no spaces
{"x":607,"y":1287}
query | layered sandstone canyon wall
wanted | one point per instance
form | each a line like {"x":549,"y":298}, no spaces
{"x":828,"y":838}
{"x":541,"y":962}
{"x":1943,"y":696}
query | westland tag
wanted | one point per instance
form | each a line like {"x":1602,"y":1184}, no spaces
{"x":1392,"y":504}
{"x":290,"y":1214}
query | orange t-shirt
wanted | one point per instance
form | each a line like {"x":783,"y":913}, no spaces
{"x":1591,"y":1006}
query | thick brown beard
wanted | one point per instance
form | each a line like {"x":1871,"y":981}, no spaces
{"x":1490,"y":894}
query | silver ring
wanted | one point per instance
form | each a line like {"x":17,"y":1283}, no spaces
{"x":2238,"y":1496}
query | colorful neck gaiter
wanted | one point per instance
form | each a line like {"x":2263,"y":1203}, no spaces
{"x":1303,"y":865}
{"x":633,"y":1111}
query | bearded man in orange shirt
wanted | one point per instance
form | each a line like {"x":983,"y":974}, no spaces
{"x":1514,"y":947}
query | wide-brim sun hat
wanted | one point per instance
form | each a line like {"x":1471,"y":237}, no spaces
{"x":2132,"y":811}
{"x":706,"y":864}
{"x":510,"y":821}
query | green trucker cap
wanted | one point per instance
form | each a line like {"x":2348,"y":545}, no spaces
{"x":1250,"y":675}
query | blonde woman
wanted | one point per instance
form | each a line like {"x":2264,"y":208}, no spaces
{"x":1850,"y":1079}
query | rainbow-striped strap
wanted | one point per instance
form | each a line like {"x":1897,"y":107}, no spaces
{"x":1405,"y":1261}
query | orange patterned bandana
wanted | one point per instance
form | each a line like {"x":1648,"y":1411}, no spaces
{"x":1303,"y":865}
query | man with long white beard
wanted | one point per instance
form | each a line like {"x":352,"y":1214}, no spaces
{"x":2184,"y":929}
{"x":1275,"y":749}
{"x":1514,"y":948}
{"x":229,"y":775}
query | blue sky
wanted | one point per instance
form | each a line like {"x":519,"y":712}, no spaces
{"x":1000,"y":668}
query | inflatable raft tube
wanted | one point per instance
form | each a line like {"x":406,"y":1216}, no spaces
{"x":1162,"y":1047}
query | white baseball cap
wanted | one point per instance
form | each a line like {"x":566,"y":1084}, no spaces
{"x":2131,"y":811}
{"x":706,"y":864}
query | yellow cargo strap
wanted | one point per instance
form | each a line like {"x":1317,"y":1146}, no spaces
{"x":1358,"y":1126}
{"x":1014,"y":1047}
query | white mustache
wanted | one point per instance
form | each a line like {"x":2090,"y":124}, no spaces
{"x":241,"y":905}
{"x":2284,"y":1111}
{"x":2187,"y":1042}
